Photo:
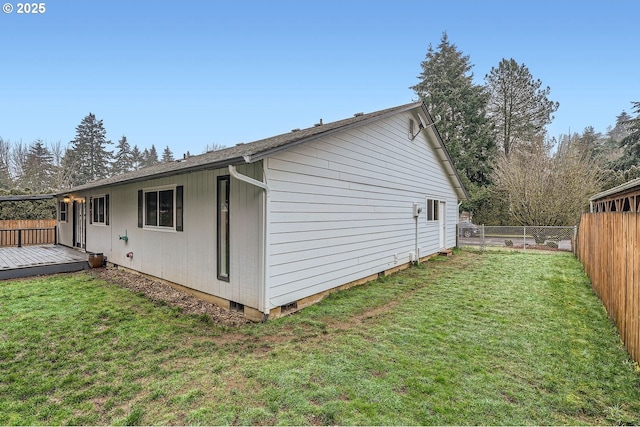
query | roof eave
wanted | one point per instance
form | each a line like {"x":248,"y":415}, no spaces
{"x":269,"y":152}
{"x":452,"y":173}
{"x":213,"y":165}
{"x":627,"y":186}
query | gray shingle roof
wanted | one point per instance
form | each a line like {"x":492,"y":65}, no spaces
{"x":249,"y":152}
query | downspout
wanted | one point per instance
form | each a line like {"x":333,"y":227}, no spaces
{"x":457,"y":224}
{"x":265,"y":250}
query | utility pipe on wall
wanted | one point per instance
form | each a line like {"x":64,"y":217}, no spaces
{"x":263,"y":265}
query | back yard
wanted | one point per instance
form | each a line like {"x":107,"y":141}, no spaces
{"x":495,"y":338}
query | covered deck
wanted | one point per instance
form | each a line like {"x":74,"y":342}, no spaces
{"x":40,"y":259}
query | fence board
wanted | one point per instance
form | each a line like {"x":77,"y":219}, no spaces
{"x":27,"y":232}
{"x":608,"y":247}
{"x":14,"y":224}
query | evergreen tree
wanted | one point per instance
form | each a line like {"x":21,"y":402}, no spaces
{"x":89,"y":158}
{"x":518,"y":107}
{"x":38,"y":171}
{"x":150,"y":156}
{"x":459,"y":108}
{"x":447,"y":89}
{"x":631,"y":142}
{"x":144,"y":156}
{"x":621,"y":130}
{"x":123,"y":159}
{"x":137,"y":158}
{"x":167,"y":155}
{"x":591,"y":142}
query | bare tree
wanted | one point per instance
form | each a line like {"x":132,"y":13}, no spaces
{"x":546,"y":189}
{"x":57,"y":153}
{"x":5,"y":162}
{"x":214,"y":146}
{"x":19,"y":156}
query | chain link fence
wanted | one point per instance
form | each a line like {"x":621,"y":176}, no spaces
{"x":517,"y":237}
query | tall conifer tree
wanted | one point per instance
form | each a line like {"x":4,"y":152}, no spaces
{"x":447,"y":89}
{"x":167,"y":155}
{"x":38,"y":171}
{"x":518,"y":106}
{"x":123,"y":159}
{"x":89,"y":159}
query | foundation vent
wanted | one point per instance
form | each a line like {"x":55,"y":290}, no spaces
{"x":292,"y":306}
{"x":236,"y":306}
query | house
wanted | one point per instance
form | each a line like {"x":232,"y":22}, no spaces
{"x":274,"y":225}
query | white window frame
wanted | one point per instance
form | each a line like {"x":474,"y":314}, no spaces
{"x":64,"y":211}
{"x":102,"y":223}
{"x":157,"y":190}
{"x":432,"y":211}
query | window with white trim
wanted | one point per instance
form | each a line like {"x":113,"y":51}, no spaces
{"x":433,"y":209}
{"x":159,"y":208}
{"x":99,"y":210}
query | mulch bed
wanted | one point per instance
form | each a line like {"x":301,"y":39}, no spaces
{"x":159,"y":291}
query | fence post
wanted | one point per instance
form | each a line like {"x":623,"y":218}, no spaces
{"x":574,"y":242}
{"x":483,"y":246}
{"x":524,"y":238}
{"x":19,"y":237}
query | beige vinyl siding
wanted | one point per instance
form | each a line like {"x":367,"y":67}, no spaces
{"x":341,"y":207}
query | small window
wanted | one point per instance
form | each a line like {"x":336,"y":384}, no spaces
{"x":433,"y":209}
{"x":63,"y":212}
{"x":159,"y":208}
{"x":99,"y":207}
{"x":223,"y":227}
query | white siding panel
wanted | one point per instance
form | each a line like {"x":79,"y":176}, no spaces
{"x":188,"y":257}
{"x":341,"y":207}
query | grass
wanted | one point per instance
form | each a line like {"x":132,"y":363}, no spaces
{"x":497,"y":338}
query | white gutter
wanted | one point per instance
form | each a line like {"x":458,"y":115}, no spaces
{"x":265,"y":251}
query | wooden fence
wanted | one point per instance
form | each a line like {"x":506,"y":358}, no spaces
{"x":27,"y":232}
{"x":609,"y":248}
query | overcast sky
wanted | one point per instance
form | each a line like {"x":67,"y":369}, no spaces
{"x":186,"y":74}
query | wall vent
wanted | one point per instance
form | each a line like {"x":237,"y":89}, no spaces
{"x":236,"y":306}
{"x":292,"y":306}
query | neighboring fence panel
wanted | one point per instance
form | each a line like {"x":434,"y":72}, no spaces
{"x":518,"y":237}
{"x":608,"y":249}
{"x":27,"y":232}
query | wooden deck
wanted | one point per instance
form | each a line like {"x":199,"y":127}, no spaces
{"x":36,"y":260}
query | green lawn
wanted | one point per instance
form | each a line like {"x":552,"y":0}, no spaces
{"x":496,"y":338}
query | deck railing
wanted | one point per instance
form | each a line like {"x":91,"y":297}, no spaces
{"x":19,"y":232}
{"x":28,"y":236}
